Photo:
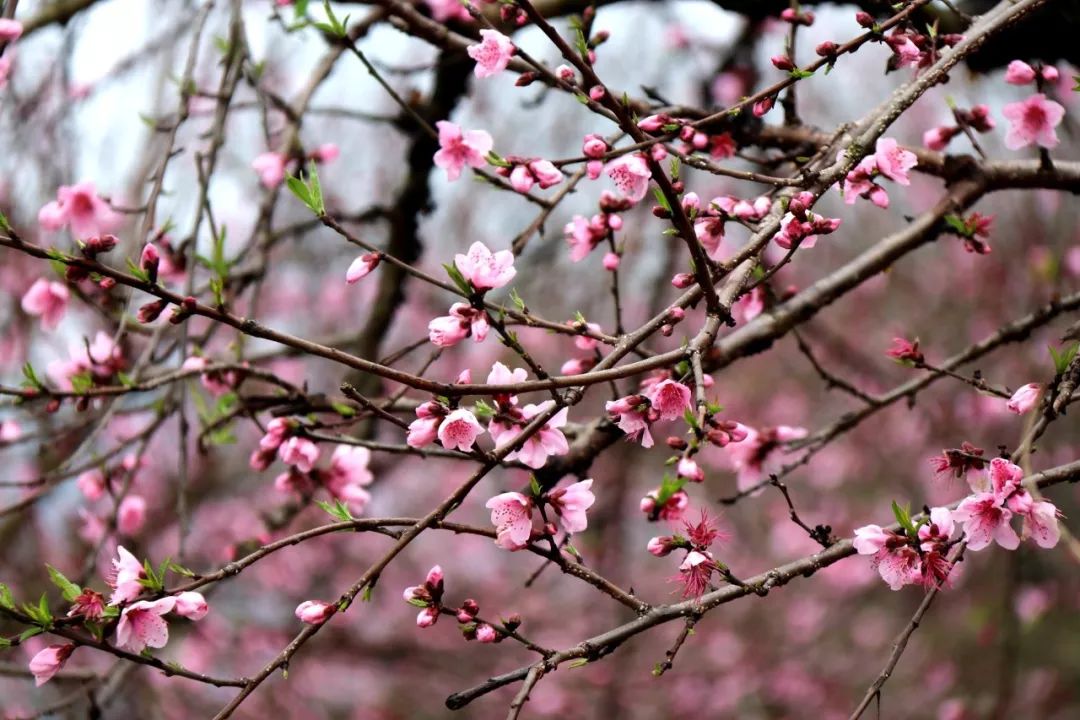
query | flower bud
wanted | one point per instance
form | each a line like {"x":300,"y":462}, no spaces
{"x":827,"y":49}
{"x":149,"y":261}
{"x":782,"y":62}
{"x":864,"y":19}
{"x":682,"y":280}
{"x":149,"y":312}
{"x":314,"y":612}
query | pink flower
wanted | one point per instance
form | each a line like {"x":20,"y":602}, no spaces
{"x":938,"y":530}
{"x":48,"y":662}
{"x":1024,"y":399}
{"x":300,"y":452}
{"x":484,"y":269}
{"x":1019,"y":73}
{"x":492,"y":54}
{"x":276,"y":431}
{"x":669,"y":398}
{"x":80,"y":207}
{"x":903,"y":350}
{"x":1040,"y":523}
{"x":361,"y":267}
{"x":271,"y":168}
{"x":425,"y":428}
{"x":672,"y":509}
{"x":986,"y":521}
{"x":314,"y":612}
{"x":695,"y":573}
{"x":511,"y":514}
{"x":570,"y":504}
{"x":894,"y":161}
{"x":444,"y":10}
{"x":870,"y":539}
{"x":459,"y":430}
{"x":458,"y":149}
{"x":348,"y":475}
{"x":485,"y":633}
{"x":127,"y":572}
{"x":47,"y":300}
{"x":427,"y":617}
{"x":131,"y":515}
{"x":463,"y":321}
{"x":631,"y":175}
{"x":549,"y":440}
{"x":1032,"y":121}
{"x":191,"y":605}
{"x":10,"y":30}
{"x":632,"y":414}
{"x":690,"y":470}
{"x":142,"y":626}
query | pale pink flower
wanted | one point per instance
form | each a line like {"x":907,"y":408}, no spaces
{"x":669,"y":398}
{"x":1024,"y":399}
{"x":271,"y":168}
{"x":48,"y":662}
{"x":349,"y":463}
{"x":361,"y":267}
{"x":131,"y":515}
{"x":893,"y":161}
{"x":314,"y":612}
{"x":10,"y":30}
{"x":276,"y":431}
{"x":47,"y":300}
{"x":1019,"y":73}
{"x":1032,"y":122}
{"x":10,"y":431}
{"x":549,"y":440}
{"x":492,"y":54}
{"x":142,"y":626}
{"x":127,"y":572}
{"x":511,"y":514}
{"x":570,"y":504}
{"x":458,"y":149}
{"x":631,"y":176}
{"x":427,"y":617}
{"x":79,"y":207}
{"x":191,"y":605}
{"x":425,"y":428}
{"x":300,"y":452}
{"x":484,"y":269}
{"x":459,"y":430}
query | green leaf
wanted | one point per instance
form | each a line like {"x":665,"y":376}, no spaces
{"x":1076,"y":79}
{"x":690,"y":418}
{"x":800,"y":74}
{"x":7,"y":601}
{"x":1062,"y":359}
{"x":668,"y":487}
{"x":957,"y":223}
{"x":68,"y":589}
{"x":137,"y":271}
{"x":661,"y":200}
{"x":496,"y":160}
{"x":181,"y":570}
{"x":4,"y":223}
{"x":30,"y":378}
{"x":299,"y":189}
{"x":518,"y":302}
{"x":345,"y":411}
{"x":335,"y":27}
{"x":580,"y":662}
{"x":417,"y":602}
{"x":482,"y":410}
{"x":30,"y":632}
{"x":300,"y":9}
{"x":458,"y":279}
{"x":337,"y":510}
{"x":534,"y":486}
{"x":903,"y":517}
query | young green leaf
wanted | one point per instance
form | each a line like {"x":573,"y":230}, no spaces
{"x":68,"y":589}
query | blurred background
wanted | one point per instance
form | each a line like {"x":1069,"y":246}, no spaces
{"x":81,"y":104}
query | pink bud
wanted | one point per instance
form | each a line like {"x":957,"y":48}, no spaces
{"x":1024,"y":399}
{"x":149,"y":261}
{"x":1050,"y":74}
{"x":594,"y":146}
{"x":782,"y":62}
{"x":427,"y":617}
{"x":485,"y":633}
{"x":131,"y":516}
{"x":191,"y":605}
{"x":596,"y":93}
{"x":660,"y":546}
{"x":565,"y":73}
{"x":1019,"y":73}
{"x":682,"y":280}
{"x":611,"y":261}
{"x":314,"y":612}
